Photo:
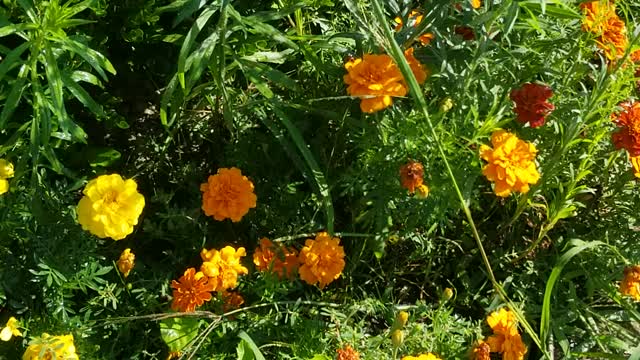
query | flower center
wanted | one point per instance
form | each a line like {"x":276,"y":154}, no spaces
{"x":110,"y":199}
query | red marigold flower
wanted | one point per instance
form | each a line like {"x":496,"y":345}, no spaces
{"x":628,"y":137}
{"x":411,"y":175}
{"x":531,"y":103}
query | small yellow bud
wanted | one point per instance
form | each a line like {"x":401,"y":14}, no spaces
{"x":397,"y":338}
{"x":422,"y":191}
{"x":446,"y":104}
{"x":447,"y":294}
{"x":402,"y":318}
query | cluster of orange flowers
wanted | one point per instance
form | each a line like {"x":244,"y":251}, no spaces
{"x":610,"y":31}
{"x":505,"y":339}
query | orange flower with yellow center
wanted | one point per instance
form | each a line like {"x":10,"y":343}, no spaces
{"x":411,"y":175}
{"x":376,"y":79}
{"x":630,"y":284}
{"x":415,"y":18}
{"x":126,"y":262}
{"x":322,"y":260}
{"x":228,"y":195}
{"x":223,"y":267}
{"x":600,"y":18}
{"x":348,"y":353}
{"x":511,"y":163}
{"x":190,"y":291}
{"x":280,"y":260}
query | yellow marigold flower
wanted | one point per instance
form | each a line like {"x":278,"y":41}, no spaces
{"x":481,"y":351}
{"x":376,"y":79}
{"x":51,"y":347}
{"x":476,"y":4}
{"x":416,"y":17}
{"x":223,"y":267}
{"x":635,"y":163}
{"x":228,"y":195}
{"x":422,"y":191}
{"x":322,"y":260}
{"x":4,"y":186}
{"x":280,"y":260}
{"x":10,"y":330}
{"x":511,"y":346}
{"x":110,"y":207}
{"x":6,"y":169}
{"x":126,"y":262}
{"x":428,"y":356}
{"x":511,"y":163}
{"x":190,"y":291}
{"x":601,"y":20}
{"x":503,"y":321}
{"x":231,"y":300}
{"x":630,"y":284}
{"x":419,"y":71}
{"x":347,"y":353}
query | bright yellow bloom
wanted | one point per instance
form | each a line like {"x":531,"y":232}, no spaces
{"x":228,"y":195}
{"x":416,"y":17}
{"x":601,"y":20}
{"x":476,"y":4}
{"x":635,"y":162}
{"x":511,"y":163}
{"x":322,"y":260}
{"x":51,"y":347}
{"x":10,"y":330}
{"x":223,"y":267}
{"x":422,"y":191}
{"x":4,"y":186}
{"x":630,"y":284}
{"x":503,"y":321}
{"x":428,"y":356}
{"x":6,"y":169}
{"x":419,"y":71}
{"x":110,"y":207}
{"x":126,"y":262}
{"x":190,"y":291}
{"x":280,"y":260}
{"x":376,"y":79}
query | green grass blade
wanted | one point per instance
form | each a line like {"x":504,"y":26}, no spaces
{"x":190,"y":39}
{"x":12,"y":59}
{"x":13,"y":99}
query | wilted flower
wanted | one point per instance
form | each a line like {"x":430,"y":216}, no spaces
{"x":347,"y":353}
{"x":531,"y":103}
{"x":416,"y":17}
{"x":511,"y":163}
{"x":280,"y":260}
{"x":223,"y":266}
{"x":228,"y":195}
{"x":610,"y":31}
{"x":51,"y":347}
{"x":126,"y":262}
{"x":321,"y":260}
{"x":190,"y":291}
{"x":376,"y":79}
{"x":10,"y":330}
{"x":466,"y":32}
{"x":110,"y":207}
{"x":630,"y":284}
{"x":428,"y":356}
{"x":412,"y":176}
{"x":628,"y":120}
{"x":231,"y":300}
{"x":481,"y":351}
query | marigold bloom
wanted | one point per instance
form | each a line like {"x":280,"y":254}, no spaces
{"x":481,"y":351}
{"x":110,"y":207}
{"x":416,"y":18}
{"x":280,"y":260}
{"x":531,"y":103}
{"x":419,"y":71}
{"x":476,"y":4}
{"x":322,"y":260}
{"x":511,"y":346}
{"x":190,"y":291}
{"x":628,"y":136}
{"x":630,"y":284}
{"x":228,"y":194}
{"x":428,"y":356}
{"x":635,"y":162}
{"x":223,"y":267}
{"x":376,"y":79}
{"x":610,"y":31}
{"x":503,"y":321}
{"x":511,"y":163}
{"x":347,"y":353}
{"x":411,"y":175}
{"x":10,"y":330}
{"x":51,"y":347}
{"x":231,"y":300}
{"x":126,"y":262}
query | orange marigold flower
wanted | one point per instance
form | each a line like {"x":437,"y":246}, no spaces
{"x":635,"y":162}
{"x":628,"y":136}
{"x":322,"y":260}
{"x":481,"y":351}
{"x":126,"y":262}
{"x":223,"y":267}
{"x":419,"y":71}
{"x":511,"y":163}
{"x":630,"y":284}
{"x":476,"y":4}
{"x":511,"y":346}
{"x":190,"y":291}
{"x":601,"y":20}
{"x":231,"y":300}
{"x":503,"y":321}
{"x":228,"y":194}
{"x":347,"y":353}
{"x":376,"y":79}
{"x":412,"y":176}
{"x":531,"y":103}
{"x":416,"y":18}
{"x":280,"y":260}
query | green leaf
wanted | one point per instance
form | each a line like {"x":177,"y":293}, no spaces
{"x":320,"y":357}
{"x":244,"y":351}
{"x":199,"y":24}
{"x":13,"y":28}
{"x":14,"y":97}
{"x":102,"y":157}
{"x":252,"y":346}
{"x":12,"y":59}
{"x":177,"y":333}
{"x":83,"y":96}
{"x":94,"y":58}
